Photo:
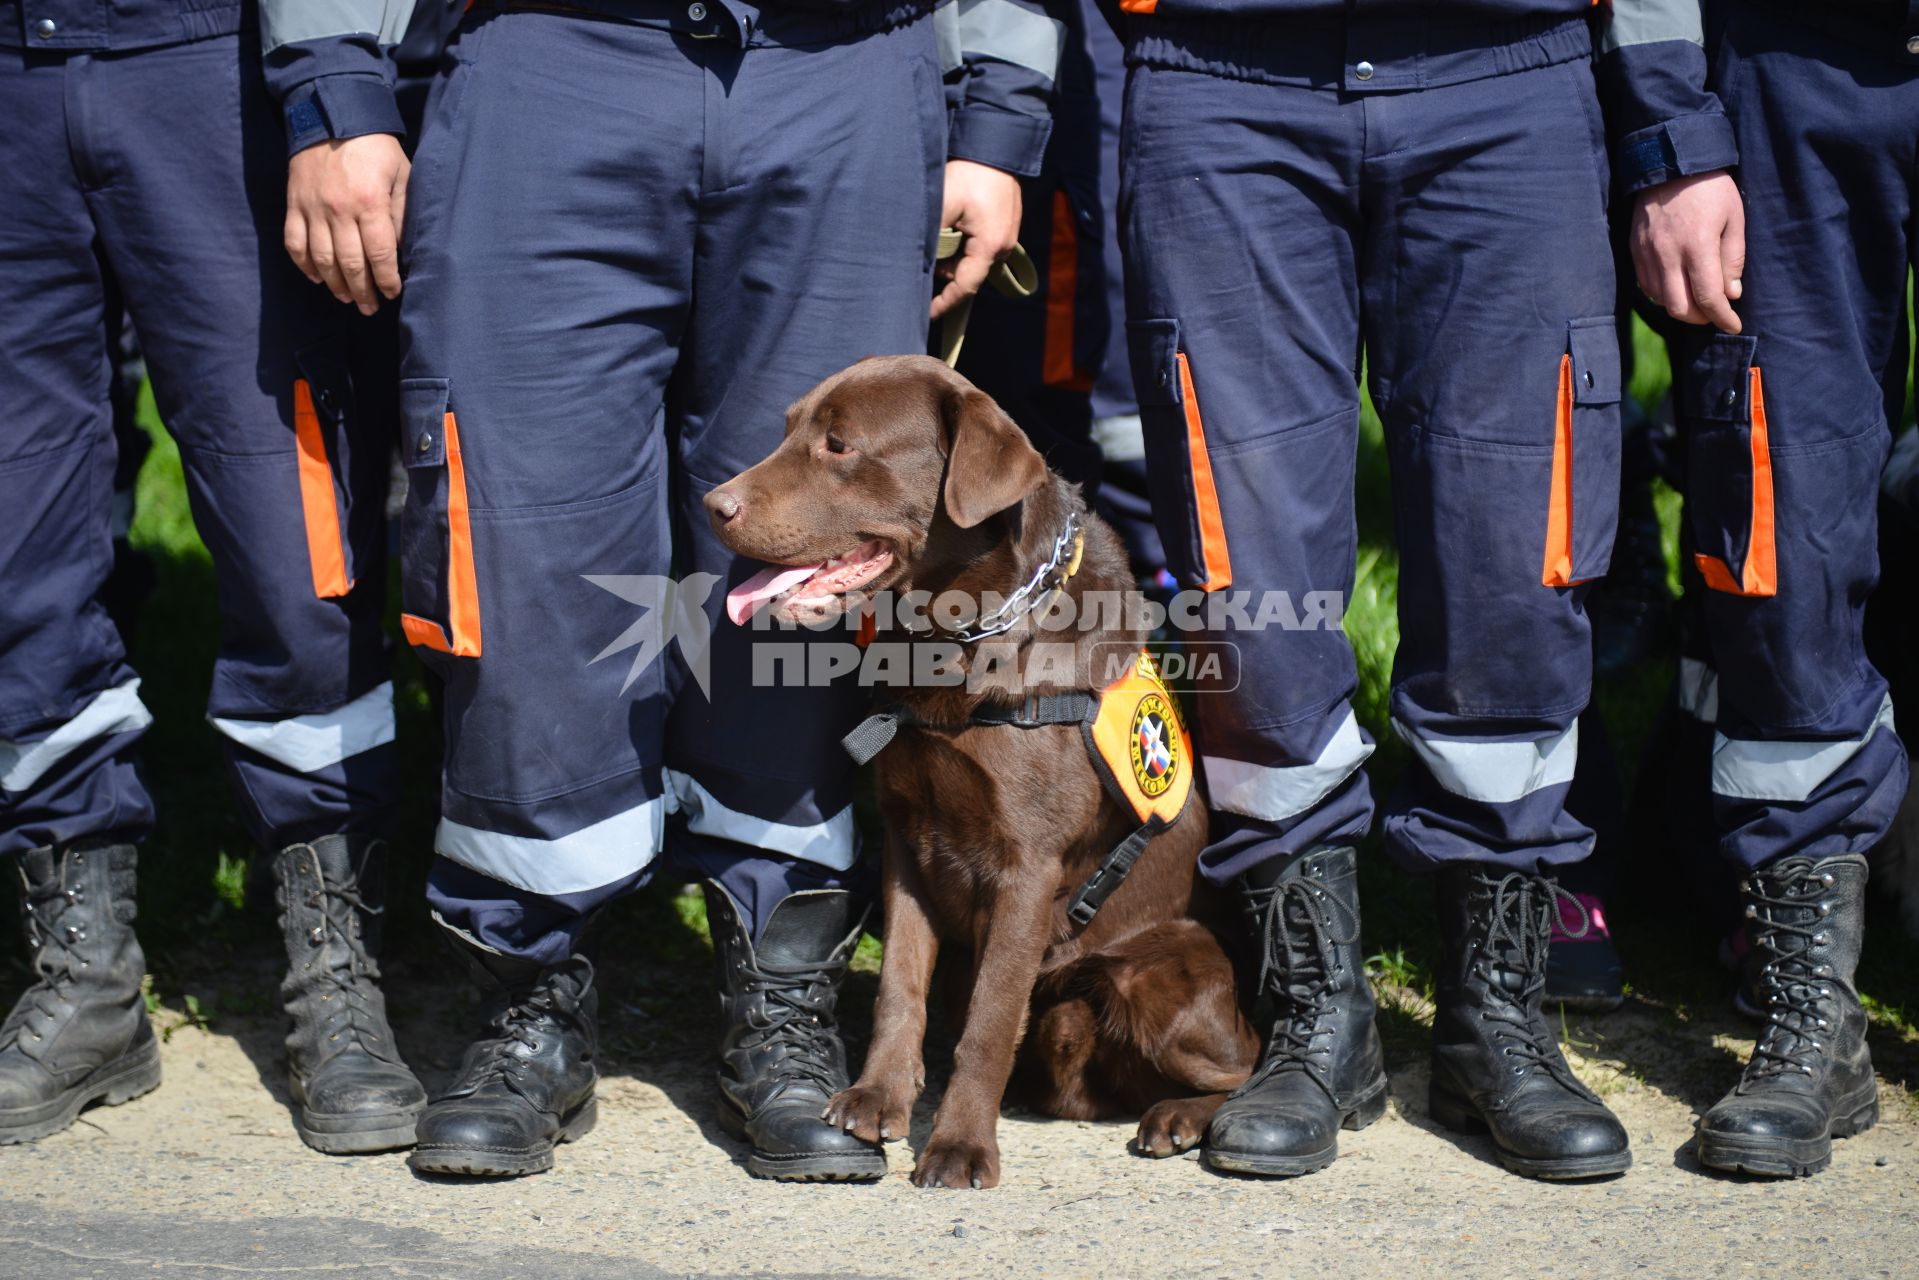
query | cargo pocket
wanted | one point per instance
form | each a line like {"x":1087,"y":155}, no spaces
{"x":1722,"y":408}
{"x":322,"y":407}
{"x":439,"y":593}
{"x":1582,"y":509}
{"x":1179,"y":469}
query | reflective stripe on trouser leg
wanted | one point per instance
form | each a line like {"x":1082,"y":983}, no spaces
{"x":1785,"y":770}
{"x":831,"y":842}
{"x":309,"y":743}
{"x":113,"y":711}
{"x":1496,"y":772}
{"x":1275,"y":793}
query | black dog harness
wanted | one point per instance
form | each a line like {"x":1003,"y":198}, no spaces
{"x":1132,"y":730}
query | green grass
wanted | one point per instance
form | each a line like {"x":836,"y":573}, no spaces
{"x":203,"y":921}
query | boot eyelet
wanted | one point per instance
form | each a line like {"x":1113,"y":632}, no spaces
{"x":1825,"y":878}
{"x":317,"y":935}
{"x":1825,"y":909}
{"x":1752,"y":911}
{"x":1820,"y":939}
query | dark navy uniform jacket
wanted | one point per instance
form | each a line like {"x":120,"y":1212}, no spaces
{"x":325,"y":59}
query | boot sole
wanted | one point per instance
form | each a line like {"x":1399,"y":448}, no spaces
{"x":1783,"y":1157}
{"x":861,"y":1166}
{"x":131,"y":1076}
{"x":499,"y":1162}
{"x":1459,"y":1116}
{"x":361,"y":1133}
{"x":1368,"y":1109}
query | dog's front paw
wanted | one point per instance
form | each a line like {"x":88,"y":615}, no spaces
{"x":958,"y":1164}
{"x":1174,"y":1126}
{"x":870,"y":1113}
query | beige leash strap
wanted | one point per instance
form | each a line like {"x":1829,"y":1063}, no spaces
{"x":1014,"y":276}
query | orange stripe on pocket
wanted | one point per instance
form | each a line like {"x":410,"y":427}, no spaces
{"x":424,"y":632}
{"x":1558,"y":568}
{"x":1138,"y":6}
{"x":462,"y":583}
{"x":326,"y":553}
{"x":1216,"y":564}
{"x":1761,"y":577}
{"x":1062,"y":280}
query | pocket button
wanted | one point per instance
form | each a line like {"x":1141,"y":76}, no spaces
{"x":426,"y":444}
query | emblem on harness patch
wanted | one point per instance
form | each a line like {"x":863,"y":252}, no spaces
{"x":1155,"y":745}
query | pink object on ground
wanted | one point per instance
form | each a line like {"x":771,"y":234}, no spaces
{"x":1569,"y":920}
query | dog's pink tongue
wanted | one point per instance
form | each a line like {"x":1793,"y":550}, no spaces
{"x":745,"y":600}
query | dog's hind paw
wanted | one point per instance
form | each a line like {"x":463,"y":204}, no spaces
{"x":958,"y":1164}
{"x":870,"y":1113}
{"x":1174,"y":1126}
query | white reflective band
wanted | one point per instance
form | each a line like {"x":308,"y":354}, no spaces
{"x":1496,"y":772}
{"x":1120,"y":438}
{"x":607,"y":851}
{"x":308,"y":744}
{"x":1651,"y":21}
{"x":1278,"y":792}
{"x":1788,"y":771}
{"x":115,"y":710}
{"x":1698,"y":690}
{"x":830,"y":843}
{"x":1003,"y":30}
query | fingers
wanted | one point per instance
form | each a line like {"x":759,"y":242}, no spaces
{"x":320,"y":253}
{"x":397,"y":203}
{"x":1706,"y":288}
{"x":294,"y":237}
{"x":382,"y":254}
{"x":350,"y":256}
{"x":969,"y":273}
{"x":1732,"y":252}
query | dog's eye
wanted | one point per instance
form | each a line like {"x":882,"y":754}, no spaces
{"x":836,"y":445}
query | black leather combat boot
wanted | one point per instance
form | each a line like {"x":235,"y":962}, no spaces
{"x":781,"y":1058}
{"x":1810,"y":1077}
{"x":79,"y":1034}
{"x":1322,"y":1070}
{"x":352,"y":1092}
{"x":527,"y":1083}
{"x":1496,"y":1063}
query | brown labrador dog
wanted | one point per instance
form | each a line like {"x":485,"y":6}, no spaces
{"x":899,"y":475}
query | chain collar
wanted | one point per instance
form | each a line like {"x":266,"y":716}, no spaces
{"x":1061,"y":565}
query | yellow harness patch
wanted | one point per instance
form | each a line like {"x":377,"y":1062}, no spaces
{"x":1141,"y":745}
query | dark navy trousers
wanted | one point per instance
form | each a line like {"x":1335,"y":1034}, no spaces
{"x":1284,"y":228}
{"x":160,"y":175}
{"x":628,"y":251}
{"x":1787,"y":428}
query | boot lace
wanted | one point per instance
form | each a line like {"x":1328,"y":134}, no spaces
{"x":349,"y":973}
{"x":1518,"y":933}
{"x":54,"y":950}
{"x":516,"y":1025}
{"x":1301,"y":927}
{"x":788,"y":1020}
{"x":1791,"y":984}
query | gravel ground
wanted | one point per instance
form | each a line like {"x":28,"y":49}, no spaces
{"x":206,"y":1177}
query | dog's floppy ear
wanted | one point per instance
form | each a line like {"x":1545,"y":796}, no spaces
{"x":989,"y":463}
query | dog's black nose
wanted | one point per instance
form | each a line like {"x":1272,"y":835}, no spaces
{"x":722,"y":506}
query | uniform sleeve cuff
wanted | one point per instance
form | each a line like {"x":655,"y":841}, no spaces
{"x":1004,"y":139}
{"x":1677,"y":148}
{"x":341,"y":106}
